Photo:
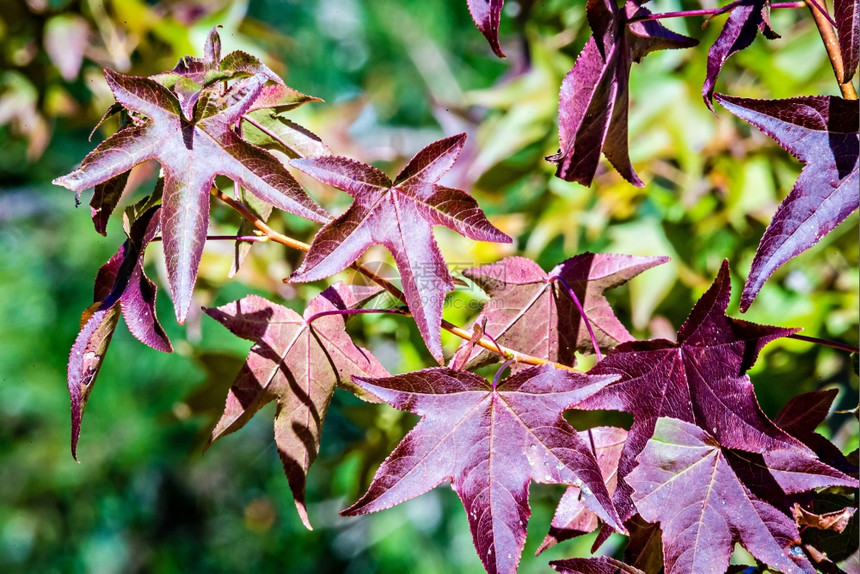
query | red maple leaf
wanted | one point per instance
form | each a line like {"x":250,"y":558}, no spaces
{"x":593,"y":103}
{"x":822,"y":132}
{"x":400,"y":216}
{"x":296,"y":361}
{"x":530,"y":310}
{"x":489,"y":441}
{"x":191,"y":151}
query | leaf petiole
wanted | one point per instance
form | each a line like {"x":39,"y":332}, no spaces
{"x":485,"y":342}
{"x":710,"y":11}
{"x":582,"y":314}
{"x":832,"y":344}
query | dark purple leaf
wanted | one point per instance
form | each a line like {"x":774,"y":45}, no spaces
{"x":191,"y":154}
{"x":802,"y":414}
{"x":572,"y":518}
{"x":297,"y":365}
{"x":593,"y":103}
{"x":105,"y":198}
{"x":400,"y":216}
{"x":529,"y":310}
{"x":487,"y":15}
{"x":799,"y":418}
{"x":707,"y":498}
{"x":747,"y":18}
{"x":847,"y":15}
{"x":489,"y":442}
{"x":121,"y":287}
{"x":599,"y":565}
{"x":699,"y":379}
{"x":820,"y":131}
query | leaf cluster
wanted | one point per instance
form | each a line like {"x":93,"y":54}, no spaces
{"x":701,"y":468}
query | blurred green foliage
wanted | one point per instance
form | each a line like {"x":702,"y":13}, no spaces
{"x":395,"y":74}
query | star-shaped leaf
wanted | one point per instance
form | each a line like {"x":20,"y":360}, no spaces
{"x":487,"y":15}
{"x":747,"y":17}
{"x":489,"y":442}
{"x":822,"y":132}
{"x":593,"y":103}
{"x":699,"y":379}
{"x":847,"y":15}
{"x":530,"y":310}
{"x":400,"y":216}
{"x":706,"y":498}
{"x":121,"y":287}
{"x":191,"y":151}
{"x":296,"y":361}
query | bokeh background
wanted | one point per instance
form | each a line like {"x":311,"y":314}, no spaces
{"x":394,"y":75}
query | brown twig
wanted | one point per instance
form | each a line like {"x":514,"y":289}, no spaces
{"x":831,"y":44}
{"x":485,"y":342}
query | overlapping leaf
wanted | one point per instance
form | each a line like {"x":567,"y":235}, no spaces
{"x":400,"y":216}
{"x":593,"y":103}
{"x":800,"y":417}
{"x":847,"y":15}
{"x":706,"y":498}
{"x":599,"y":565}
{"x":489,"y":442}
{"x":822,"y":132}
{"x":487,"y":15}
{"x":121,"y":287}
{"x":746,"y":18}
{"x":698,"y":379}
{"x":530,"y":310}
{"x":572,"y":518}
{"x":191,"y":75}
{"x":296,"y":361}
{"x":191,"y":151}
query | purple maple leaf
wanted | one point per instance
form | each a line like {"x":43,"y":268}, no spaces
{"x":746,"y":19}
{"x":706,"y":498}
{"x":191,"y":151}
{"x":399,"y":215}
{"x":489,"y":442}
{"x":698,"y":379}
{"x":822,"y":132}
{"x":121,"y":287}
{"x":487,"y":15}
{"x":594,"y":98}
{"x":532,"y":312}
{"x":296,"y":361}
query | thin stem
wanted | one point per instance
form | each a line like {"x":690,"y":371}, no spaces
{"x":822,"y":11}
{"x":582,"y":314}
{"x":831,"y":44}
{"x":485,"y":342}
{"x":832,"y":344}
{"x":709,"y":12}
{"x":501,"y":370}
{"x":316,"y":316}
{"x":249,"y":238}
